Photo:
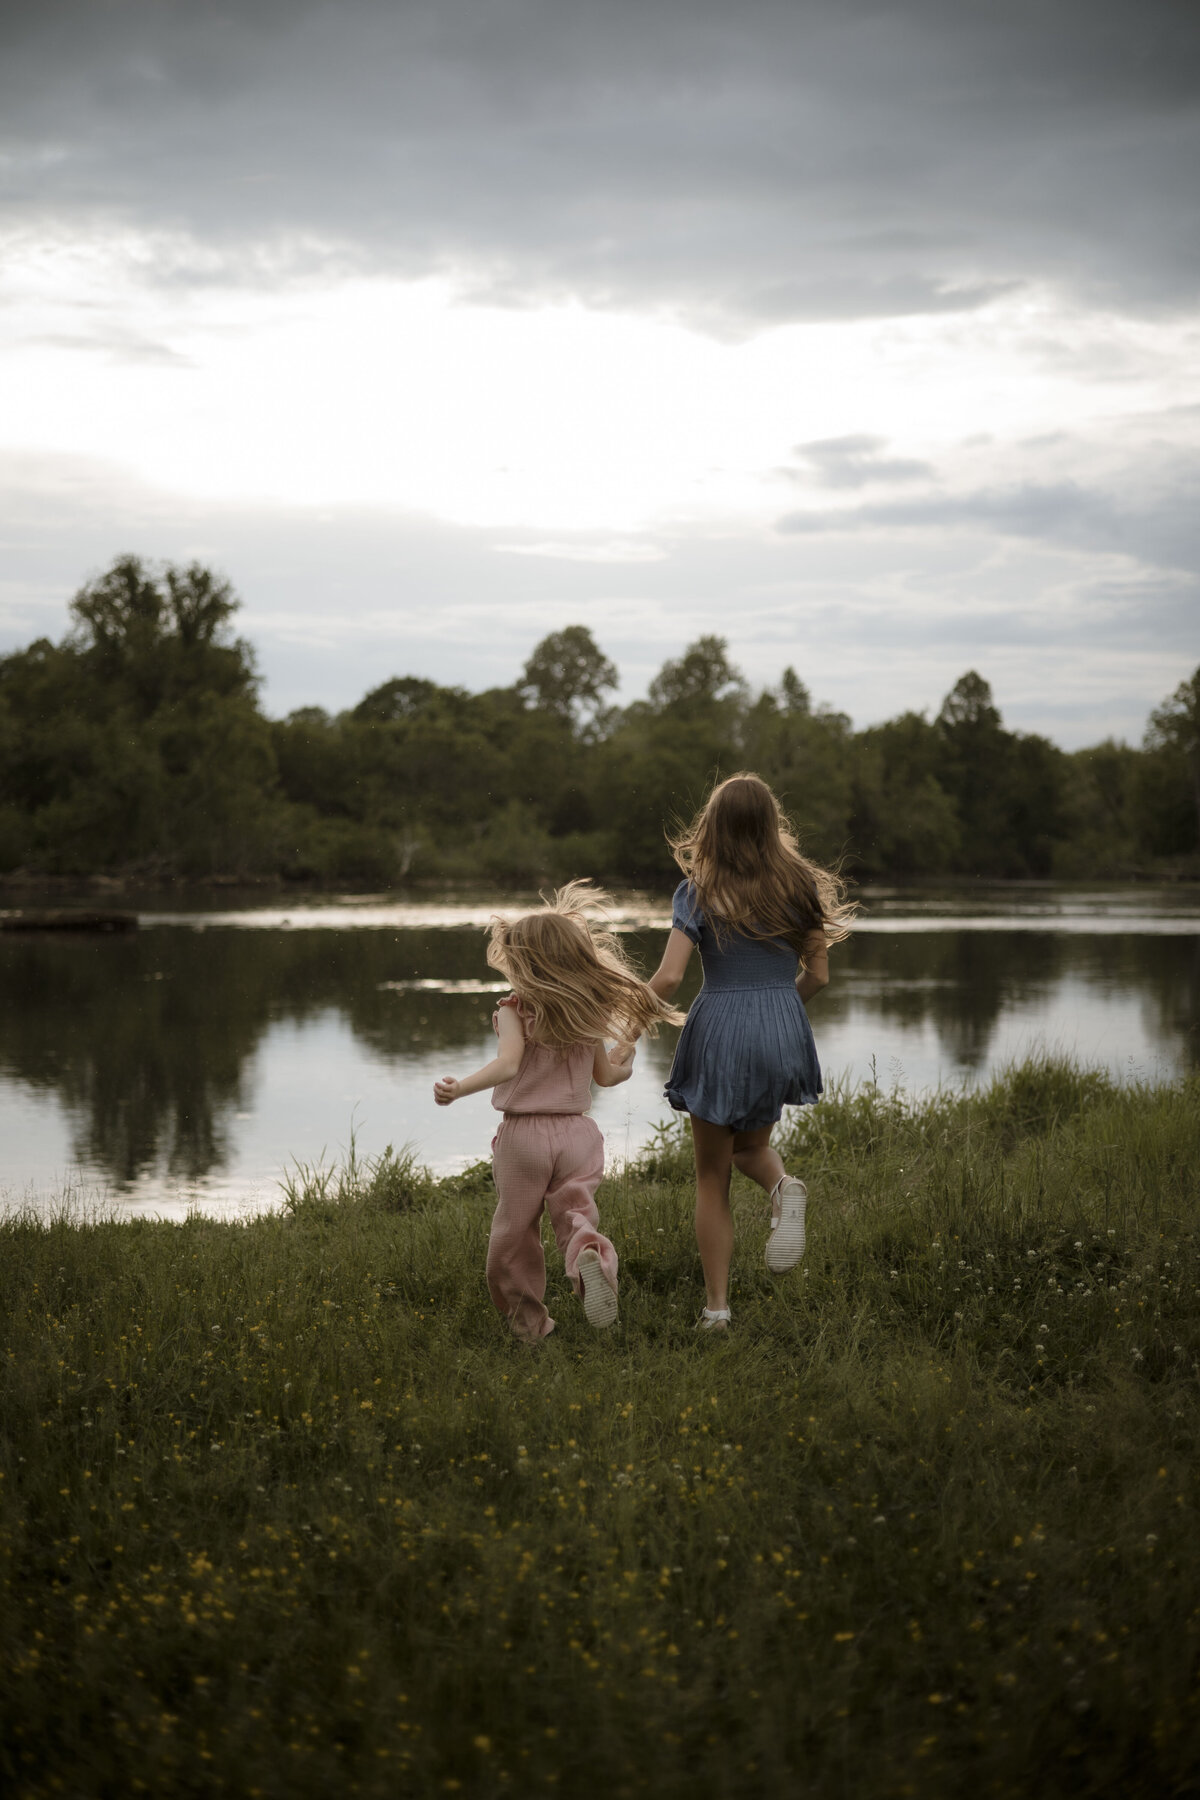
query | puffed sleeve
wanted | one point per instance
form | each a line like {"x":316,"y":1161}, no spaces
{"x":686,"y":915}
{"x":508,"y":1000}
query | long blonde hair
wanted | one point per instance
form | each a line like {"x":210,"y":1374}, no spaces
{"x":742,"y":858}
{"x":570,"y":973}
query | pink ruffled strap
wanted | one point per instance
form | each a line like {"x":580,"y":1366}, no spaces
{"x":508,"y":1000}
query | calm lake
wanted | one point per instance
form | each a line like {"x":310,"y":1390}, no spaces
{"x":185,"y":1066}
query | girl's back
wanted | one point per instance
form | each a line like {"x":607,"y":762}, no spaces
{"x":549,"y":1080}
{"x":731,"y":959}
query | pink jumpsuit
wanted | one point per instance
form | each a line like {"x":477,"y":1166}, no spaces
{"x":545,"y":1156}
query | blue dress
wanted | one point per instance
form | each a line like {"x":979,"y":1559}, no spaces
{"x":746,"y":1049}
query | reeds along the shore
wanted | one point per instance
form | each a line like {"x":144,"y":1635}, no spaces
{"x":284,"y":1512}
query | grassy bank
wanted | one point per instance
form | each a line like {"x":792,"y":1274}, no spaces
{"x":284,"y":1513}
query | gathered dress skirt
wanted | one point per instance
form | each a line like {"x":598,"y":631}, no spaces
{"x":744,"y":1053}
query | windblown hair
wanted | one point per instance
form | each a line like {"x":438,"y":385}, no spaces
{"x":571,"y":975}
{"x":741,"y":856}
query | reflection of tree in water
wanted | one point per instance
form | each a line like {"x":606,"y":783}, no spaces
{"x":399,"y":1023}
{"x":144,"y":1049}
{"x":1170,"y":976}
{"x":958,"y":981}
{"x":148,"y":1039}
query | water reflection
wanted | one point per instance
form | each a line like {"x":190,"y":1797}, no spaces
{"x":148,"y":1039}
{"x":163,"y":1057}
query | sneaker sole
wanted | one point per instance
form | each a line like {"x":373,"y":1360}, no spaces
{"x":786,"y":1244}
{"x":599,"y":1300}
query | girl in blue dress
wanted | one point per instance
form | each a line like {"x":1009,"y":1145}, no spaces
{"x":763,"y":917}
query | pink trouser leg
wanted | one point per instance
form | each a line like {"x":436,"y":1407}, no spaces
{"x":516,"y":1265}
{"x":551,"y":1161}
{"x":571,"y":1198}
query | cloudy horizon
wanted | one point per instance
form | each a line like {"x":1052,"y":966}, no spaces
{"x":867,"y":340}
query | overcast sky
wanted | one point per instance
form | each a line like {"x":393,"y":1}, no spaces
{"x":867,"y":336}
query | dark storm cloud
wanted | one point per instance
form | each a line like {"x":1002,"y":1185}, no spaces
{"x":775,"y":160}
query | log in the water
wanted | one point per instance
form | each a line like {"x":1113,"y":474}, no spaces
{"x":67,"y":918}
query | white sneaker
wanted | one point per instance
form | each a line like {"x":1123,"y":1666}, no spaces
{"x":599,"y":1299}
{"x":785,"y":1246}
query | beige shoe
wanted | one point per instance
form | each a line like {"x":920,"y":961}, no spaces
{"x":714,"y":1319}
{"x":599,"y":1299}
{"x":785,"y":1246}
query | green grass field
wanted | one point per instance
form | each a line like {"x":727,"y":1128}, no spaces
{"x":284,"y":1512}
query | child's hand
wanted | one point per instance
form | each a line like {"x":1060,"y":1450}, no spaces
{"x":623,"y":1052}
{"x":445,"y":1090}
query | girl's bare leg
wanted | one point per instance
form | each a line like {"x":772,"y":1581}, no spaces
{"x":713,"y":1145}
{"x":753,"y":1156}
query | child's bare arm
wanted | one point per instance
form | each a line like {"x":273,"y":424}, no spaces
{"x":670,"y":971}
{"x":664,"y":981}
{"x":815,"y":973}
{"x":611,"y":1067}
{"x":502,"y":1067}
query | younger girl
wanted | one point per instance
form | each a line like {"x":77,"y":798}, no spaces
{"x":754,"y":906}
{"x":571,"y":989}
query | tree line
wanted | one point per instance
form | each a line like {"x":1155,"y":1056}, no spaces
{"x":138,"y":746}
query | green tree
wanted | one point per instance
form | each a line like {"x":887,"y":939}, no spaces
{"x":138,"y":741}
{"x":806,"y":755}
{"x":659,"y":757}
{"x":968,"y":713}
{"x":404,"y":697}
{"x":703,"y":675}
{"x":568,"y":673}
{"x":1174,"y":733}
{"x":120,"y":613}
{"x":974,"y":772}
{"x":1009,"y":790}
{"x":903,"y":820}
{"x":158,"y":635}
{"x":201,"y":604}
{"x":794,"y":697}
{"x":1100,"y":826}
{"x":1035,"y":803}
